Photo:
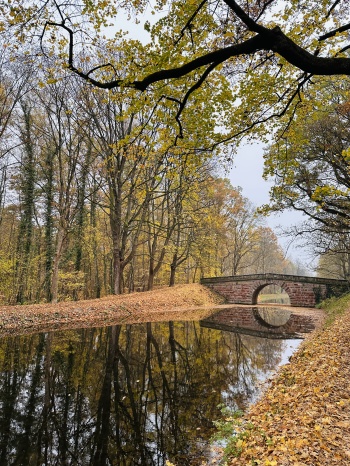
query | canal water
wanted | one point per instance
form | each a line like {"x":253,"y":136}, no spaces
{"x":136,"y":394}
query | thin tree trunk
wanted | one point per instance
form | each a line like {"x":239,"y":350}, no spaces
{"x":173,"y":266}
{"x":48,"y":226}
{"x":55,"y":268}
{"x":26,"y":226}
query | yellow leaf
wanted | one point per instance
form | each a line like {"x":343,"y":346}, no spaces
{"x":344,"y":424}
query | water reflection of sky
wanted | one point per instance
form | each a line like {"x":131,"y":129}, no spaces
{"x":126,"y":395}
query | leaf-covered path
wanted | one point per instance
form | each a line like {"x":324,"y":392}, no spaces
{"x":304,"y":416}
{"x":160,"y":304}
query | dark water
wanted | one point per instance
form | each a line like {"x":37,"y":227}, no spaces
{"x":129,"y":394}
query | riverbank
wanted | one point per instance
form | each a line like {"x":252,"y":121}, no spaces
{"x":160,"y":304}
{"x":303,"y":419}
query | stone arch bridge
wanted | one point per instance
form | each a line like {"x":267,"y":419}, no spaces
{"x":302,"y":291}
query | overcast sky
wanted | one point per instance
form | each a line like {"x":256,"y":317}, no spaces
{"x":247,"y":173}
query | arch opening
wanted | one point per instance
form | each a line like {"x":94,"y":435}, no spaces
{"x":271,"y":293}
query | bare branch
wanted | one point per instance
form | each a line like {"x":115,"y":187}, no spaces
{"x":247,"y":20}
{"x":266,"y":4}
{"x":332,"y":7}
{"x":329,"y":34}
{"x":187,"y":95}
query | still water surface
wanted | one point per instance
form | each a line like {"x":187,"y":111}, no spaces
{"x":132,"y":394}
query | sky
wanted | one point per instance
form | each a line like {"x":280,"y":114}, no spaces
{"x":247,"y":173}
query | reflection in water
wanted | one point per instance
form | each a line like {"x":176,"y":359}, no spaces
{"x":273,"y":317}
{"x":266,"y":322}
{"x":124,"y":395}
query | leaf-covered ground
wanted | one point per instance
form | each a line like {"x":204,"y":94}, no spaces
{"x":161,"y":304}
{"x":304,"y":416}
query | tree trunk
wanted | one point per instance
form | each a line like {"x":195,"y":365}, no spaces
{"x":118,"y":282}
{"x":48,"y":226}
{"x":173,"y":267}
{"x":55,"y":268}
{"x":151,"y":275}
{"x":26,"y":226}
{"x":96,"y":278}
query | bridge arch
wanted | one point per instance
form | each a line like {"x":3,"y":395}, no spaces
{"x":270,"y":317}
{"x":261,"y":286}
{"x":243,"y":320}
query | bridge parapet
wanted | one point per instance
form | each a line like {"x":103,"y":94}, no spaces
{"x":302,"y":291}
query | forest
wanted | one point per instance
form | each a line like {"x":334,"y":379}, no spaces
{"x":114,"y":149}
{"x":90,"y":207}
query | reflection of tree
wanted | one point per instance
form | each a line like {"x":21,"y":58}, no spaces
{"x":44,"y":431}
{"x":102,"y":430}
{"x":124,"y":395}
{"x":9,"y":394}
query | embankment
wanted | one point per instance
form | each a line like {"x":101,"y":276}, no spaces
{"x":304,"y":416}
{"x":161,"y":304}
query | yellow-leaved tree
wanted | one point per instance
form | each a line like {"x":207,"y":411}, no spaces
{"x":267,"y":50}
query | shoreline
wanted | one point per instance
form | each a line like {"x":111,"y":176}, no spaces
{"x":182,"y":302}
{"x":303,"y":416}
{"x":160,"y":304}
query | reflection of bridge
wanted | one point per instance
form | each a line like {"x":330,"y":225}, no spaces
{"x":302,"y":291}
{"x":250,"y":321}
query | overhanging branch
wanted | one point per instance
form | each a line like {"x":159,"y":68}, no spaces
{"x":266,"y":39}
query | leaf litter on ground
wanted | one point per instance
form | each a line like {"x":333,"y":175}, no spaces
{"x":167,"y":303}
{"x":303,"y":419}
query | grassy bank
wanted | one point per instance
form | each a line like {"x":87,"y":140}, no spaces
{"x":304,"y":416}
{"x":335,"y":307}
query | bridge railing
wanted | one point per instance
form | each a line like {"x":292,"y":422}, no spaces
{"x":276,"y":277}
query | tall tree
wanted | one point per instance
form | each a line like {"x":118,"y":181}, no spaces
{"x":129,"y":166}
{"x":240,"y":231}
{"x":311,"y":167}
{"x":65,"y":147}
{"x":14,"y":83}
{"x":27,"y":186}
{"x":267,"y":256}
